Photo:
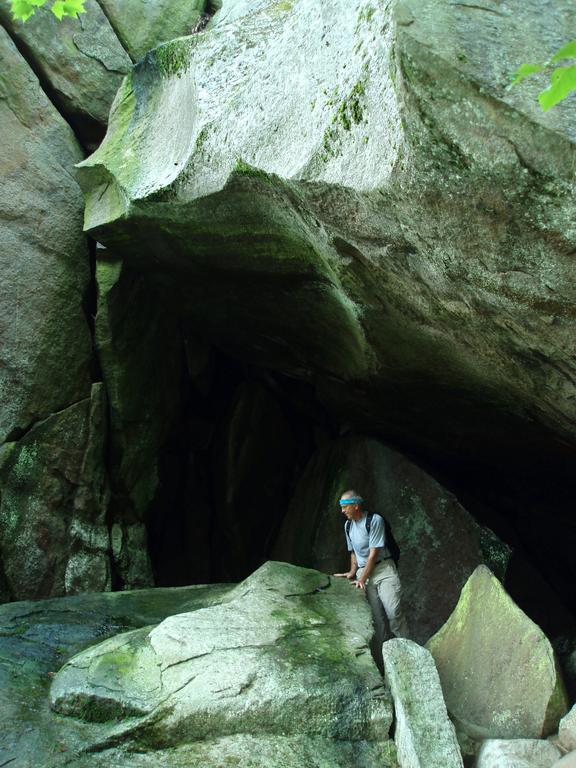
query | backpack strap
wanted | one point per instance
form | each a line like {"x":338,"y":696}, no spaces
{"x":368,"y":523}
{"x":369,"y":517}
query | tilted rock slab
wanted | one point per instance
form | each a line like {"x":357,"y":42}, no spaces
{"x":498,"y":672}
{"x":390,"y":219}
{"x":424,"y":736}
{"x":37,"y":636}
{"x":517,"y":753}
{"x":285,"y":655}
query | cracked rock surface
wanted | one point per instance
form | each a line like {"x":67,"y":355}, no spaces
{"x":285,"y":654}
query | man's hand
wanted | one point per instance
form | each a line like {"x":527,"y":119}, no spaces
{"x":359,"y":584}
{"x":349,"y":575}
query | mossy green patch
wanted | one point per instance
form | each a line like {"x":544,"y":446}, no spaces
{"x":172,"y":59}
{"x":283,"y":5}
{"x":117,"y":663}
{"x":366,"y":14}
{"x":350,"y":112}
{"x":243,"y":168}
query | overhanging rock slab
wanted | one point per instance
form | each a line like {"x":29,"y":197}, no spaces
{"x":361,"y":222}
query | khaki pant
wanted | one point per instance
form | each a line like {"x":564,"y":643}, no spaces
{"x":384,"y":593}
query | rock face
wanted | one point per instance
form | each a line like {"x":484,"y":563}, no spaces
{"x":285,"y":655}
{"x":139,"y":347}
{"x":144,"y":24}
{"x":498,"y":671}
{"x":517,"y":753}
{"x":45,"y":351}
{"x":424,"y":736}
{"x":53,"y":537}
{"x":347,"y":207}
{"x":53,"y":533}
{"x":81,"y":63}
{"x":438,"y":540}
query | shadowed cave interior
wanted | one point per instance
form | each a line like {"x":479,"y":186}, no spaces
{"x":240,"y":439}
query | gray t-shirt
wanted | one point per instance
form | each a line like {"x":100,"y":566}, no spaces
{"x":361,"y":542}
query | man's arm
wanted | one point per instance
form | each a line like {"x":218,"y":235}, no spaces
{"x":368,"y":568}
{"x":353,"y":568}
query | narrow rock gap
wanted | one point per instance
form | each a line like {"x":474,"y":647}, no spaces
{"x":89,"y":305}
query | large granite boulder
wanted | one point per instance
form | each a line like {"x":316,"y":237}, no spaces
{"x":81,"y":63}
{"x":335,"y":231}
{"x":424,"y":735}
{"x":498,"y":671}
{"x":285,"y":655}
{"x":439,"y":541}
{"x":144,"y":24}
{"x":517,"y":753}
{"x":37,"y":637}
{"x":44,"y":272}
{"x":53,"y":533}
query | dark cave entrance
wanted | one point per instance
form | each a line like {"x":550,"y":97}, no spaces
{"x":229,"y":470}
{"x":238,"y":435}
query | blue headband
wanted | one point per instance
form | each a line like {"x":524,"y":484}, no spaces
{"x":352,"y":500}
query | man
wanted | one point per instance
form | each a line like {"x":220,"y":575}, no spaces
{"x":372,"y":567}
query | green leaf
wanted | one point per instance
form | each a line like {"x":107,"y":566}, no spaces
{"x":23,"y":9}
{"x":567,"y":52}
{"x":524,"y":71}
{"x":562,"y":83}
{"x":62,"y":8}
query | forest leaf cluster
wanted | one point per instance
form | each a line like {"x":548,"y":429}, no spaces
{"x":24,"y":9}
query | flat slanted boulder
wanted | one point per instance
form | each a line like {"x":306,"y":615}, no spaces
{"x":425,"y":737}
{"x":285,"y":655}
{"x":497,"y":668}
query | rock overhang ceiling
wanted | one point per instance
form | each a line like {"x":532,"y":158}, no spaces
{"x":347,"y":192}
